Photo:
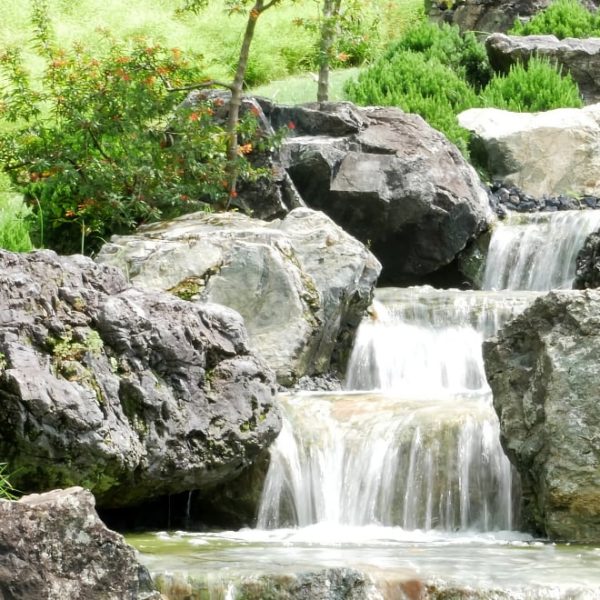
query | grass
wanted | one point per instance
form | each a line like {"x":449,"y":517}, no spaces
{"x":14,"y":228}
{"x":280,"y":47}
{"x":303,"y":88}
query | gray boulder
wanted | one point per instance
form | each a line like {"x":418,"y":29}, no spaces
{"x":483,"y":15}
{"x":54,"y":546}
{"x":542,"y":369}
{"x":387,"y":178}
{"x":302,"y":284}
{"x":131,"y":393}
{"x":588,"y":263}
{"x":579,"y":57}
{"x":546,"y":153}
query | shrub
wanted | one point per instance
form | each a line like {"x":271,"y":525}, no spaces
{"x":462,"y":53}
{"x":533,"y":87}
{"x":7,"y":491}
{"x":563,"y":18}
{"x":15,"y":220}
{"x":417,"y":84}
{"x":105,"y":144}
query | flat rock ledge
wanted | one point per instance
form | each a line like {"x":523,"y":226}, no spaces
{"x":53,"y":546}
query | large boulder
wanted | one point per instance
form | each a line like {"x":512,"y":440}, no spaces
{"x":579,"y":57}
{"x":302,"y":284}
{"x":54,"y":546}
{"x":387,"y":178}
{"x":131,"y":393}
{"x":587,"y":274}
{"x":547,"y":153}
{"x":543,"y":371}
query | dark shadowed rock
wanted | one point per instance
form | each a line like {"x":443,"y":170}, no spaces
{"x":486,"y":16}
{"x":579,"y":57}
{"x":387,"y":178}
{"x":588,"y":264}
{"x":131,"y":393}
{"x":53,"y":546}
{"x":543,"y":369}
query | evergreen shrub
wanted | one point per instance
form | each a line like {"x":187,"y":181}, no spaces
{"x":563,"y":18}
{"x":533,"y":87}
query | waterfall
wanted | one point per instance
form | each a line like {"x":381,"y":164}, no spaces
{"x":422,"y":339}
{"x":537,"y":251}
{"x":414,"y":442}
{"x":361,"y":459}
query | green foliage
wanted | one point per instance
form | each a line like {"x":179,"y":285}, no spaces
{"x":7,"y":491}
{"x":563,"y":18}
{"x":461,"y":53}
{"x":417,"y":75}
{"x":437,"y":73}
{"x":533,"y":87}
{"x":104,"y":145}
{"x":15,"y":219}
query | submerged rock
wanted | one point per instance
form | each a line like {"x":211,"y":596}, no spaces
{"x":387,"y":178}
{"x":542,"y":369}
{"x":131,"y":393}
{"x":302,"y":284}
{"x":53,"y":546}
{"x":546,"y":153}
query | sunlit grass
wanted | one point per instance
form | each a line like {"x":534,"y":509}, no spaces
{"x":14,"y":221}
{"x":303,"y":88}
{"x":280,"y":48}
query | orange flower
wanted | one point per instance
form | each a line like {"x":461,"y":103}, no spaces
{"x":291,"y":125}
{"x":194,"y":116}
{"x":343,"y":56}
{"x":70,"y":213}
{"x":245,"y":149}
{"x":233,"y":194}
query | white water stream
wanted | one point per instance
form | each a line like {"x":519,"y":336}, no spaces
{"x":408,"y":459}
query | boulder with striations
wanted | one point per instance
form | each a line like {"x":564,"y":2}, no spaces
{"x":131,"y":393}
{"x":302,"y":284}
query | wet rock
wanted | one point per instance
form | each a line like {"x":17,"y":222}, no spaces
{"x":579,"y":57}
{"x":54,"y":546}
{"x":131,"y":393}
{"x":548,"y":153}
{"x":588,"y":264}
{"x":542,"y":371}
{"x":302,"y":284}
{"x":388,"y":179}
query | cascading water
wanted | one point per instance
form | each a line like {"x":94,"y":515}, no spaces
{"x":402,"y":457}
{"x":403,"y":472}
{"x":537,"y":252}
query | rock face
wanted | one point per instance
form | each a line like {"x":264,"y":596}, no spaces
{"x":54,"y":546}
{"x":542,"y":369}
{"x":579,"y":57}
{"x":588,"y":264}
{"x":547,"y":153}
{"x":302,"y":284}
{"x":484,"y":15}
{"x":131,"y":393}
{"x":387,"y":178}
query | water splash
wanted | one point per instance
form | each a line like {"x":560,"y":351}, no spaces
{"x":360,"y":459}
{"x":537,"y":251}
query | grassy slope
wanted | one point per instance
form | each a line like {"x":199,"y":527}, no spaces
{"x":279,"y":49}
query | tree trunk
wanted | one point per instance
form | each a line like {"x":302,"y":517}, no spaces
{"x":331,"y":10}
